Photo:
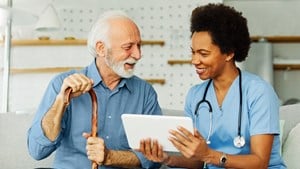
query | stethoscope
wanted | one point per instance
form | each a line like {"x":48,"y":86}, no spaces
{"x":239,"y":140}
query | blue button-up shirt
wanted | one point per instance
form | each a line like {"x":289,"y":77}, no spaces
{"x":132,"y":95}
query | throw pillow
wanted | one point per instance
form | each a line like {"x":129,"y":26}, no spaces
{"x":291,"y":148}
{"x":281,"y":134}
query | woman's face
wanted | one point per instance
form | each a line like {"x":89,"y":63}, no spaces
{"x":206,"y":56}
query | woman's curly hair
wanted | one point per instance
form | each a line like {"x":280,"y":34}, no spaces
{"x":227,"y":27}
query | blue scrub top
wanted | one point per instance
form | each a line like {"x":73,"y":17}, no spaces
{"x":132,"y":95}
{"x":260,"y":115}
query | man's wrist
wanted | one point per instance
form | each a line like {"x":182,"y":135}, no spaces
{"x":167,"y":161}
{"x":106,"y":158}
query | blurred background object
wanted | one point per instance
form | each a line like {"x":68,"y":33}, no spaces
{"x":48,"y":21}
{"x":8,"y":16}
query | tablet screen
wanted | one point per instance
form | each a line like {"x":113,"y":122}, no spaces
{"x":139,"y":126}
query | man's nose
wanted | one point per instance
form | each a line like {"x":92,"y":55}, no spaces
{"x":136,"y":52}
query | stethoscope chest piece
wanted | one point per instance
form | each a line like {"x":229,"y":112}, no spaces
{"x":239,"y":141}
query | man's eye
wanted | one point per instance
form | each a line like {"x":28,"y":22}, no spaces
{"x":127,"y":47}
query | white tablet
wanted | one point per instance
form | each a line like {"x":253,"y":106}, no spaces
{"x":138,"y":126}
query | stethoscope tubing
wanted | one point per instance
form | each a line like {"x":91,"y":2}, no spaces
{"x":239,"y":135}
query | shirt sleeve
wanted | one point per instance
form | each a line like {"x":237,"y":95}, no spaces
{"x":264,"y":110}
{"x":188,"y":104}
{"x":193,"y":97}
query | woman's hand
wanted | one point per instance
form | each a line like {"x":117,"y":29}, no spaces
{"x":191,"y":146}
{"x":153,"y":151}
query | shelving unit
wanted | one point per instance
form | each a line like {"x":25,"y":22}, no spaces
{"x":57,"y":42}
{"x":63,"y":69}
{"x":271,"y":39}
{"x":70,"y":42}
{"x":280,"y":39}
{"x":173,"y":62}
{"x":275,"y":66}
{"x":277,"y":39}
{"x":286,"y":66}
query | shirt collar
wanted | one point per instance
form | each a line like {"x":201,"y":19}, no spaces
{"x":128,"y":83}
{"x":92,"y":72}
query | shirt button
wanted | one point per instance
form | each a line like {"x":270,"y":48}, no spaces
{"x":107,"y":137}
{"x":109,"y":117}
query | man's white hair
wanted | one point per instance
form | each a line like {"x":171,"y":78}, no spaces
{"x":99,"y":31}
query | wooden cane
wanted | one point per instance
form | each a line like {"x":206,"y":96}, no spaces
{"x":94,"y":127}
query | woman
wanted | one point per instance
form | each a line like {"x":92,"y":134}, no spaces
{"x":235,"y":113}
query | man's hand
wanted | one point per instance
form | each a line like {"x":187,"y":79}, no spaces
{"x":153,"y":151}
{"x":78,"y":82}
{"x":95,"y":149}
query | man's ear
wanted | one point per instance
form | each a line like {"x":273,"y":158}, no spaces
{"x":100,"y":48}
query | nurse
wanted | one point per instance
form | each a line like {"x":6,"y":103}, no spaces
{"x":235,"y":113}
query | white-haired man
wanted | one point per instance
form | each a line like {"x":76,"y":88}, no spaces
{"x":115,"y":43}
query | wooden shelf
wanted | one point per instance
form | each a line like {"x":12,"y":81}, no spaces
{"x":286,"y":66}
{"x":54,"y":42}
{"x":277,"y":39}
{"x":153,"y":42}
{"x":275,"y":66}
{"x":173,"y":62}
{"x":64,"y":69}
{"x":42,"y":70}
{"x":159,"y":81}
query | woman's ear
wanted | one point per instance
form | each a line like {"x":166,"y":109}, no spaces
{"x":229,"y":56}
{"x":100,"y":48}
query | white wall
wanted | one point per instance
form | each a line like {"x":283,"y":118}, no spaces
{"x":270,"y":17}
{"x":166,"y":20}
{"x":276,"y":18}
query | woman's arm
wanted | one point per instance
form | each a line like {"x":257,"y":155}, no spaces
{"x":194,"y":147}
{"x":153,"y":151}
{"x":259,"y":156}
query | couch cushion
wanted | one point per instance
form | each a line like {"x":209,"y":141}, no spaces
{"x":172,"y":112}
{"x":291,"y":148}
{"x":13,"y":142}
{"x":291,"y":115}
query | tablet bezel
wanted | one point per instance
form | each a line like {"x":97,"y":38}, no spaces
{"x":141,"y":126}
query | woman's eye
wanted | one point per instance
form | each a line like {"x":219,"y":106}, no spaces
{"x":204,"y":54}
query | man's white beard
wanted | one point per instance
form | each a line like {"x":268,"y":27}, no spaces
{"x":118,"y":67}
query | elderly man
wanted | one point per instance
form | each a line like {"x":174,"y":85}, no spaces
{"x":115,"y":43}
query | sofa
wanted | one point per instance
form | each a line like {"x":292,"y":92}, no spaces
{"x":14,"y":154}
{"x":290,"y":129}
{"x":13,"y":146}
